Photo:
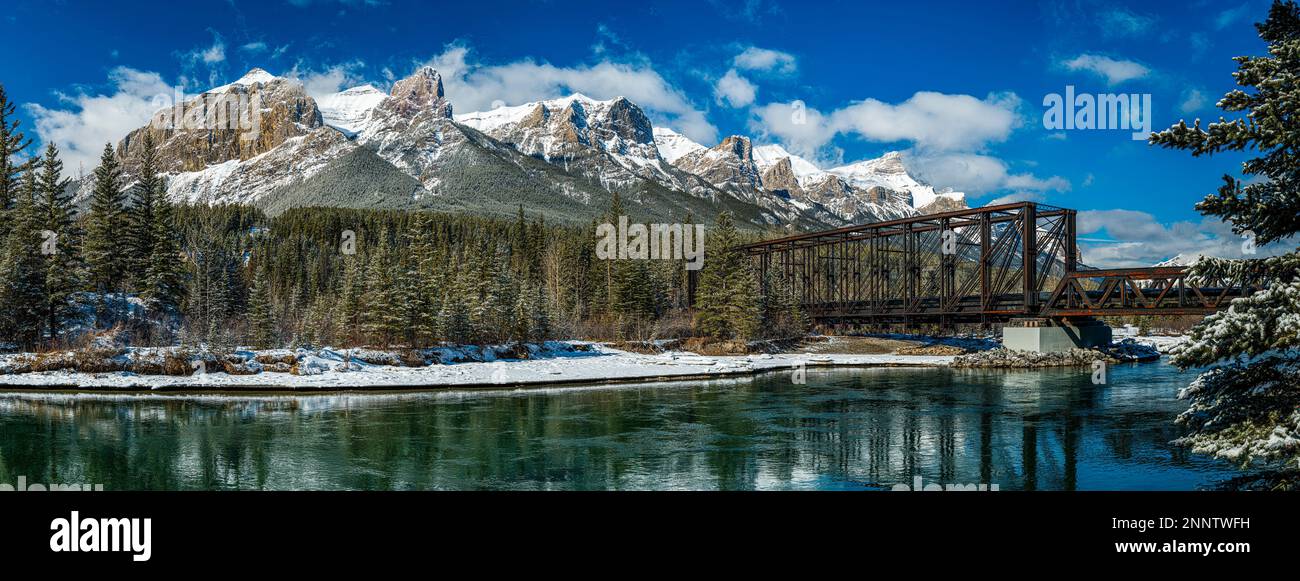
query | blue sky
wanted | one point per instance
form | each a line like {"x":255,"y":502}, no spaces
{"x":958,"y":86}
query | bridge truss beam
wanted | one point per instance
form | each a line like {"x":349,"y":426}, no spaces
{"x":961,"y":266}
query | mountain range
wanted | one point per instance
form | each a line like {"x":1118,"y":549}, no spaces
{"x":562,"y":158}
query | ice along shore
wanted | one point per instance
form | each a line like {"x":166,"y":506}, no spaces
{"x":556,"y":364}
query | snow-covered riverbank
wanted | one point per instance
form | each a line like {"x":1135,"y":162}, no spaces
{"x":330,"y":370}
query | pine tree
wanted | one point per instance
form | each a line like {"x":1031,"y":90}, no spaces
{"x":164,"y":283}
{"x":143,"y":222}
{"x":261,"y":315}
{"x":1268,"y":206}
{"x":612,"y":266}
{"x":62,"y":245}
{"x":454,"y":320}
{"x":422,"y":280}
{"x":348,"y":307}
{"x":727,"y":298}
{"x":783,"y":314}
{"x":106,"y":223}
{"x":1244,"y":408}
{"x":23,"y":267}
{"x":540,"y":329}
{"x":497,"y":315}
{"x":381,"y":319}
{"x":12,"y":145}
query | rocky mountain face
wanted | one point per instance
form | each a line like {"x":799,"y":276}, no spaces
{"x":610,"y":142}
{"x":890,"y":172}
{"x":562,"y":158}
{"x":238,"y":121}
{"x":790,"y":175}
{"x":728,"y":166}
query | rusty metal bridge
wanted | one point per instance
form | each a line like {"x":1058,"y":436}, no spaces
{"x":982,"y":265}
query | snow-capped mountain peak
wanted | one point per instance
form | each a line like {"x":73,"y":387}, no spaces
{"x":349,"y":110}
{"x":673,"y":145}
{"x":255,"y":76}
{"x":804,"y":171}
{"x":890,"y":171}
{"x":1181,"y":260}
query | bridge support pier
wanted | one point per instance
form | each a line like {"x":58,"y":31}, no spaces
{"x":1055,"y":335}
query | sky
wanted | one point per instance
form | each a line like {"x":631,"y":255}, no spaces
{"x":959,"y":87}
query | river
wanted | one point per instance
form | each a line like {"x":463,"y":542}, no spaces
{"x":845,"y":429}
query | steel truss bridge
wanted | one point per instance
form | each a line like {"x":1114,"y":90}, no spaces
{"x":982,"y":265}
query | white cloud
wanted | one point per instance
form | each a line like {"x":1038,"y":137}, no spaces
{"x":213,"y":54}
{"x":1114,"y":71}
{"x":91,"y":120}
{"x":1200,"y":44}
{"x":803,"y":131}
{"x":473,"y":86}
{"x":929,"y":120}
{"x":979,"y":174}
{"x":1192,"y":101}
{"x":1119,"y":22}
{"x":1231,"y":16}
{"x":933,"y":120}
{"x":766,"y":60}
{"x":331,"y":80}
{"x":1133,"y":238}
{"x":211,"y":58}
{"x":734,"y":90}
{"x":254,"y":47}
{"x":1017,"y":197}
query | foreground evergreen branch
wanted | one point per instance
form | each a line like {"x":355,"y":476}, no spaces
{"x":1245,"y":407}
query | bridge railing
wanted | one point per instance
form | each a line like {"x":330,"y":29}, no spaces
{"x":1144,"y":291}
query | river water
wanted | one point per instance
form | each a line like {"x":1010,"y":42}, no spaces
{"x":844,"y":429}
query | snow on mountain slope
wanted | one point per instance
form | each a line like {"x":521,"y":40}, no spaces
{"x":248,"y":181}
{"x":1181,"y":260}
{"x":672,"y":145}
{"x":728,"y":165}
{"x":252,"y":77}
{"x":349,"y":110}
{"x":804,"y":171}
{"x":610,"y":141}
{"x":889,"y":172}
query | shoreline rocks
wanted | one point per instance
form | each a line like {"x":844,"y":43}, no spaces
{"x":1126,"y":351}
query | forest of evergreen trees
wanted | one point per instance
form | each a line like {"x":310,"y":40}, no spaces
{"x":132,"y":264}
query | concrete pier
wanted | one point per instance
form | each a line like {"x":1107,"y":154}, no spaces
{"x":1055,"y":336}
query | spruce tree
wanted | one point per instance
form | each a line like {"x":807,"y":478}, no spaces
{"x":348,"y":307}
{"x":164,"y":283}
{"x":454,"y":320}
{"x":23,"y":267}
{"x":380,"y":317}
{"x":1244,"y":408}
{"x":143,"y":222}
{"x":422,"y":279}
{"x":727,"y":297}
{"x":261,"y":315}
{"x":12,"y":145}
{"x":540,"y":329}
{"x":61,"y":245}
{"x":106,"y":223}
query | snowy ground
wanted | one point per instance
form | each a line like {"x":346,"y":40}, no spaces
{"x":1162,"y":343}
{"x":600,"y":364}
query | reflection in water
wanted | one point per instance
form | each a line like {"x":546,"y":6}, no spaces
{"x":845,"y":429}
